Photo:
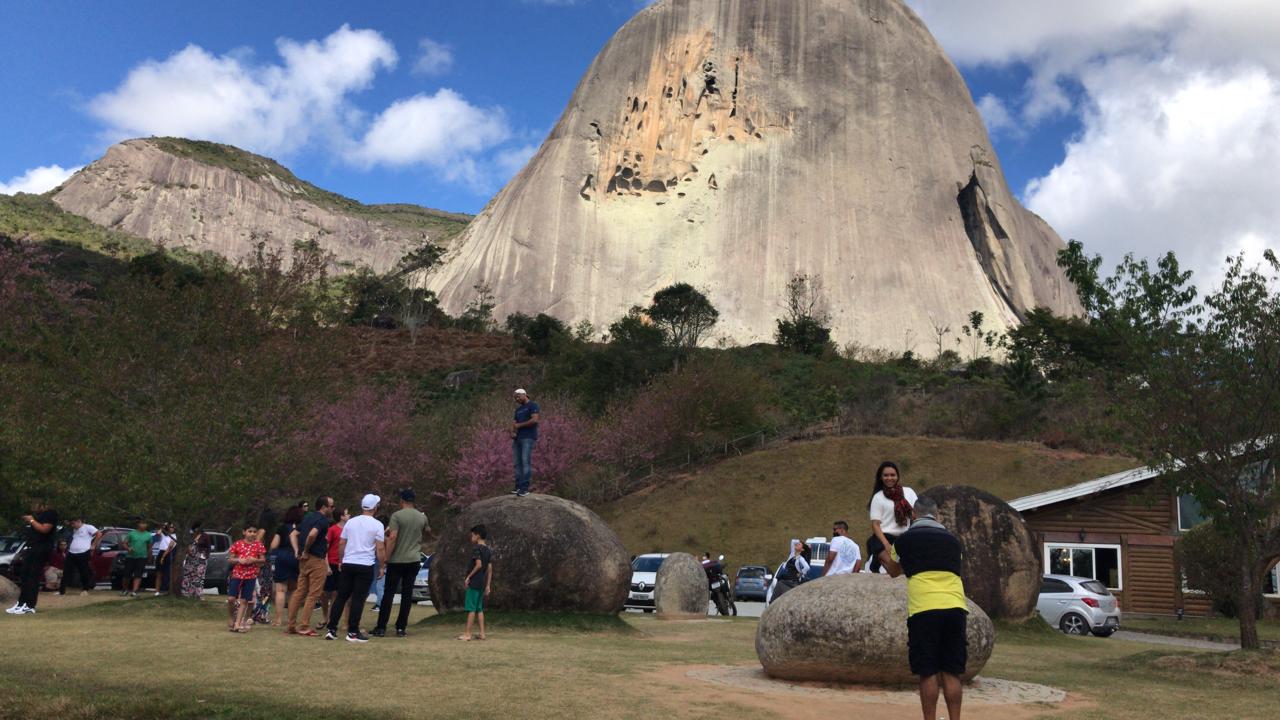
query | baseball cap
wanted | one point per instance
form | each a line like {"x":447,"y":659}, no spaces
{"x":520,"y":391}
{"x":370,"y":501}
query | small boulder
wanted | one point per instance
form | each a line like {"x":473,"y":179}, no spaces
{"x":680,"y":590}
{"x":1001,"y":565}
{"x":852,"y":629}
{"x":8,"y":592}
{"x":549,"y":555}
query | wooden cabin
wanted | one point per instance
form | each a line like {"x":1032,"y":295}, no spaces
{"x":1120,"y":530}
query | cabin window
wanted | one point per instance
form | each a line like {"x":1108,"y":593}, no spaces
{"x":1189,"y":512}
{"x":1271,"y":583}
{"x":1096,"y":562}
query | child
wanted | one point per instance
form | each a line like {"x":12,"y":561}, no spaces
{"x":246,"y":558}
{"x":478,"y":581}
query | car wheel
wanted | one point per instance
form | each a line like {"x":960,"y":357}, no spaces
{"x":1107,"y":632}
{"x":1074,"y":624}
{"x":648,"y":610}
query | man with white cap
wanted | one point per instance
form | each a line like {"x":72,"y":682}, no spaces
{"x":361,"y":543}
{"x":524,"y":435}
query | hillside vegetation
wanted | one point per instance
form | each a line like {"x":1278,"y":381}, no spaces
{"x":749,"y":507}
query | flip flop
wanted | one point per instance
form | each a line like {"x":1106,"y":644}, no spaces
{"x":480,"y":637}
{"x":464,"y":638}
{"x":307,"y":633}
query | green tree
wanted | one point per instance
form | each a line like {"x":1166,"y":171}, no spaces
{"x":539,"y":335}
{"x":683,"y":313}
{"x":803,"y":328}
{"x":1200,"y":396}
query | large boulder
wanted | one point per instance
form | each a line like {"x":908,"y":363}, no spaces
{"x":852,"y":629}
{"x":549,"y":555}
{"x":1001,"y":565}
{"x":680,"y":591}
{"x":8,"y":592}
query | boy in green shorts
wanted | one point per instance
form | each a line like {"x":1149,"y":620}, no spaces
{"x":478,"y":581}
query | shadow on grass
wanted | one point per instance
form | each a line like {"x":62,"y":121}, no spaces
{"x":167,"y":608}
{"x":536,"y":622}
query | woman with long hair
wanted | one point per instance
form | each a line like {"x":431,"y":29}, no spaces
{"x":196,"y":563}
{"x":890,"y":511}
{"x":284,"y":556}
{"x":792,"y":572}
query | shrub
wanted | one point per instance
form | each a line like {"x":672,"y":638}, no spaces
{"x":367,"y":440}
{"x":1209,"y":560}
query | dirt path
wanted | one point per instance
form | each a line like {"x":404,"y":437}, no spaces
{"x":1175,"y":641}
{"x":685,"y":687}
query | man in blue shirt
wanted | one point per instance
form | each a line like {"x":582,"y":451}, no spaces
{"x":524,"y":434}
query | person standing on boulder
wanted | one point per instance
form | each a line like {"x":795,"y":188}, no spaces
{"x":478,"y":582}
{"x":937,"y":613}
{"x":524,"y":435}
{"x":890,"y":511}
{"x":843,"y":556}
{"x":404,"y":560}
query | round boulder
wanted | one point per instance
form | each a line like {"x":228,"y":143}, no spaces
{"x":852,"y":629}
{"x":549,"y":555}
{"x":680,"y":590}
{"x":8,"y":592}
{"x":1001,"y":567}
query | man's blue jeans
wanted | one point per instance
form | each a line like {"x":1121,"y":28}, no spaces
{"x":522,"y":454}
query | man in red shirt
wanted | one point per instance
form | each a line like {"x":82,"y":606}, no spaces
{"x":334,"y":558}
{"x":246,"y":558}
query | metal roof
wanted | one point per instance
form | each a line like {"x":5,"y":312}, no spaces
{"x":1089,"y":487}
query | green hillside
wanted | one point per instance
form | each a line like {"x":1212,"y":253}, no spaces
{"x":748,"y":507}
{"x":442,"y":226}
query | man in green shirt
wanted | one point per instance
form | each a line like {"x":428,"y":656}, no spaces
{"x":404,"y":560}
{"x":137,"y":545}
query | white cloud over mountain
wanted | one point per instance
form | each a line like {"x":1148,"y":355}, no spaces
{"x":37,"y":180}
{"x":1179,"y":102}
{"x":305,"y":101}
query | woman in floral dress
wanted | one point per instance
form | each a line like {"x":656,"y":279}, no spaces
{"x":197,"y":562}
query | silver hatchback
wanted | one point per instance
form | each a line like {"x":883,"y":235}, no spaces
{"x":1078,"y":606}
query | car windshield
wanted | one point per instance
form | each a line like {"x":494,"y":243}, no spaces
{"x":647,"y":563}
{"x":9,"y":544}
{"x":755,"y":573}
{"x":1095,"y":587}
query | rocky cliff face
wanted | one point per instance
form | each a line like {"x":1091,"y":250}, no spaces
{"x":732,"y":144}
{"x":215,"y":198}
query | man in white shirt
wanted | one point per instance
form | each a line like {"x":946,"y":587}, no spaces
{"x":843,"y":556}
{"x":84,"y":542}
{"x":361,"y":543}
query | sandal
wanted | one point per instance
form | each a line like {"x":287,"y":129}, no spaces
{"x":307,"y":633}
{"x":464,"y":638}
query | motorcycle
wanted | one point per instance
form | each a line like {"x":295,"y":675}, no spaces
{"x":719,"y":587}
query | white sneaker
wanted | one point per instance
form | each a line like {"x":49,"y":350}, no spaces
{"x":17,"y":609}
{"x":26,"y":611}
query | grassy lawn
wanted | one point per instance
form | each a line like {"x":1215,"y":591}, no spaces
{"x":173,"y":659}
{"x":748,"y":507}
{"x":1225,"y":628}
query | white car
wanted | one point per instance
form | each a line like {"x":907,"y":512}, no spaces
{"x":1078,"y":605}
{"x":644,"y":577}
{"x":9,"y":549}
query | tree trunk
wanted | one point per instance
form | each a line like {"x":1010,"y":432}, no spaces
{"x":1247,"y":604}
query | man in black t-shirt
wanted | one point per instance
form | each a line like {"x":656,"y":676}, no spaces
{"x":478,"y":580}
{"x":41,"y":525}
{"x":313,"y":567}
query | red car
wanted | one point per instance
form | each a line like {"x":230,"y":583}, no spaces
{"x":100,"y":562}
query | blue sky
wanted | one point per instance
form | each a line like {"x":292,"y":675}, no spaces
{"x":1144,"y":127}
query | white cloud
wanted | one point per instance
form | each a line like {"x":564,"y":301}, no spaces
{"x":1170,"y":160}
{"x":433,"y":58}
{"x":271,"y":108}
{"x":1179,"y":102}
{"x":37,"y":180}
{"x":441,"y":130}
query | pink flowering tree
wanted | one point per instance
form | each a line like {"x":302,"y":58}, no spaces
{"x":367,"y":440}
{"x":485,"y":467}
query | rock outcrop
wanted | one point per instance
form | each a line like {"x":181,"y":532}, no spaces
{"x":732,"y":144}
{"x":680,"y":590}
{"x":207,"y":197}
{"x":1001,"y":566}
{"x":852,"y":629}
{"x":549,"y":555}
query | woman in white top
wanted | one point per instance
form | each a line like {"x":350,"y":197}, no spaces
{"x":163,"y":548}
{"x":890,"y":510}
{"x":791,"y":573}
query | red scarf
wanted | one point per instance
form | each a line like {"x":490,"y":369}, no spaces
{"x":901,"y":508}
